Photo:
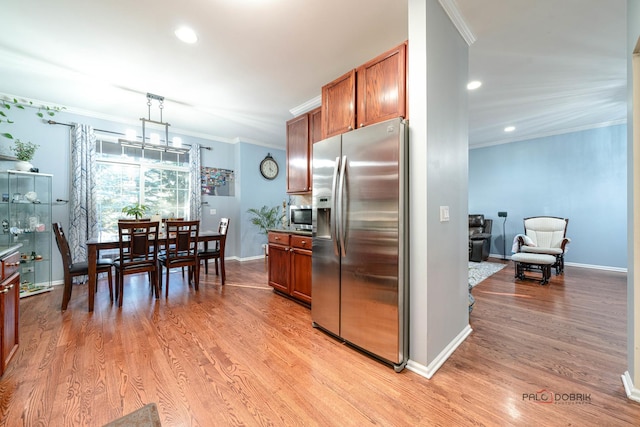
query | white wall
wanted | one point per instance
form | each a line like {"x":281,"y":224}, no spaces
{"x":631,"y":378}
{"x":438,"y":70}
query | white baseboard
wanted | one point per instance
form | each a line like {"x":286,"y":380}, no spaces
{"x":430,"y":370}
{"x":576,"y":264}
{"x":632,"y":392}
{"x":250,"y":258}
{"x":596,"y":267}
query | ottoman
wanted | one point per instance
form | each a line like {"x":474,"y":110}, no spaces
{"x":530,"y":262}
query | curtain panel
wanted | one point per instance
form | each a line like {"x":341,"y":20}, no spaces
{"x":83,"y":222}
{"x":196,"y":194}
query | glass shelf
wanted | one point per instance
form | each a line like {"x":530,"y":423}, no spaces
{"x":25,"y":218}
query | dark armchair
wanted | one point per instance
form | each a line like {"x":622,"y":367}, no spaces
{"x":479,"y":237}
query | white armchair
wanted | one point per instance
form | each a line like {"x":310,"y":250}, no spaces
{"x":546,"y":235}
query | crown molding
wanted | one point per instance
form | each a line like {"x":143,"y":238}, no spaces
{"x":451,"y":8}
{"x":548,"y":134}
{"x":306,"y":106}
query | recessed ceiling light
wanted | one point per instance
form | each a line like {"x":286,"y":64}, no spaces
{"x":475,"y":84}
{"x":186,"y":34}
{"x":509,"y":128}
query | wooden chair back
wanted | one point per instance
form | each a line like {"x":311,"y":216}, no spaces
{"x":138,"y":244}
{"x":63,"y":246}
{"x":182,"y":240}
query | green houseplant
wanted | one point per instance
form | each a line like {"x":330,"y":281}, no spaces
{"x":24,"y":150}
{"x":265,"y":218}
{"x":136,"y":210}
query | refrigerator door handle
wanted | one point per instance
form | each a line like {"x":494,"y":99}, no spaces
{"x":342,"y":227}
{"x":334,"y":208}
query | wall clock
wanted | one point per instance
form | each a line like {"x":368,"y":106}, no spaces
{"x":269,"y":167}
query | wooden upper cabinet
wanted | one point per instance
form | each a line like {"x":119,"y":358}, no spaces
{"x":381,"y":87}
{"x":298,"y":155}
{"x":315,"y":127}
{"x":302,"y":132}
{"x":372,"y":93}
{"x":338,"y":105}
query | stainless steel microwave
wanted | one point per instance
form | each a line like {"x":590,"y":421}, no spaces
{"x":300,"y":217}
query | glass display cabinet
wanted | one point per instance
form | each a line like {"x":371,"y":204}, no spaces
{"x":25,"y":217}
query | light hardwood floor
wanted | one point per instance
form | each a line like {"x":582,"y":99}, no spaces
{"x":242,"y":355}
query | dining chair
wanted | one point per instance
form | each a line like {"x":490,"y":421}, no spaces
{"x":163,"y":226}
{"x":76,"y":269}
{"x":138,"y":253}
{"x":181,"y":250}
{"x":216,"y":253}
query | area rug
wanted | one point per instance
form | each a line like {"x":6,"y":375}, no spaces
{"x":147,"y":416}
{"x":478,"y":271}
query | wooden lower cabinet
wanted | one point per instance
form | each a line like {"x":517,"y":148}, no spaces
{"x":9,"y":308}
{"x":279,"y":262}
{"x":290,"y":265}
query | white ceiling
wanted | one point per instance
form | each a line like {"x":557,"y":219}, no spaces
{"x":547,"y":66}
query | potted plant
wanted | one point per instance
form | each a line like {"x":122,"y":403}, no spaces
{"x":136,"y":210}
{"x":24,"y":152}
{"x":265,"y":219}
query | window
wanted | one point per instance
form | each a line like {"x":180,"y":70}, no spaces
{"x":127,"y":174}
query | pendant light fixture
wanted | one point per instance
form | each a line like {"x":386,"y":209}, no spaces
{"x":154,"y":142}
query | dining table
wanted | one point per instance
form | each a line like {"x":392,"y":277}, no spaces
{"x":97,"y":244}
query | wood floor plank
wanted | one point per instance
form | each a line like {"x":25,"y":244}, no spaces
{"x":239,"y":354}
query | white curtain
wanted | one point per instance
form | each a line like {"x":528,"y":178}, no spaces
{"x":195,"y":196}
{"x":82,"y":210}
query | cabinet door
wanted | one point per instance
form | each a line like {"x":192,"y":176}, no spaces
{"x":9,"y":300}
{"x":301,"y":274}
{"x":279,"y":268}
{"x":339,"y":105}
{"x":298,"y":155}
{"x":315,"y":127}
{"x":382,"y":87}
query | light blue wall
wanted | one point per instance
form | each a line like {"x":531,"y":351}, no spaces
{"x":251,"y":189}
{"x":257,"y":191}
{"x":581,"y":176}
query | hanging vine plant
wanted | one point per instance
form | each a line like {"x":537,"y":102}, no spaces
{"x":24,"y":150}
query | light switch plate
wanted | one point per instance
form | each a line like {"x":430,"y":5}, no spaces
{"x":444,"y":213}
{"x":212,"y":211}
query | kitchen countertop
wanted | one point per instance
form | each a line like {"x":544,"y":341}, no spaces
{"x":292,"y":231}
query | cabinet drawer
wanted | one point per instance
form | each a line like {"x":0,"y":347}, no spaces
{"x":10,"y":265}
{"x":279,"y":238}
{"x":303,"y":242}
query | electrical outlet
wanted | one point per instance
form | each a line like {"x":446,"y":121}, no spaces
{"x":502,"y":214}
{"x":212,"y":211}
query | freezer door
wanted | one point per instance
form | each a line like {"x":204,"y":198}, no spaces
{"x":371,"y":308}
{"x":325,"y":275}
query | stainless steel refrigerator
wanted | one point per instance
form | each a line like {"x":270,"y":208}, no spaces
{"x":360,"y":239}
